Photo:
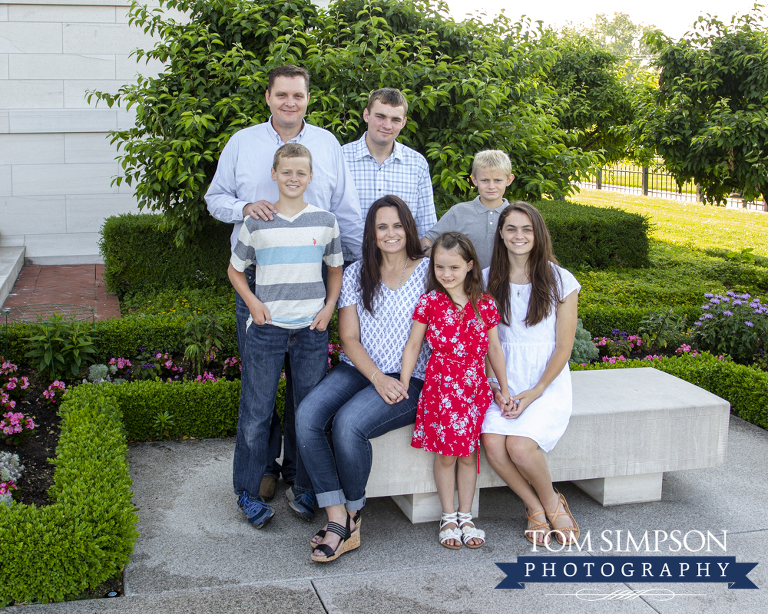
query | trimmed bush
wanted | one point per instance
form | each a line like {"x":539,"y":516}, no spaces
{"x":601,"y":320}
{"x":87,"y":534}
{"x":139,"y":252}
{"x":594,"y":236}
{"x":745,"y":388}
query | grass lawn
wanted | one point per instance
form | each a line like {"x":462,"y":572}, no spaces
{"x":690,"y":224}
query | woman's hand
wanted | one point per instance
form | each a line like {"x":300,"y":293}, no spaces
{"x":389,"y":388}
{"x":519,"y":402}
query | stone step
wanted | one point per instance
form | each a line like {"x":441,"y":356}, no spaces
{"x":11,"y":261}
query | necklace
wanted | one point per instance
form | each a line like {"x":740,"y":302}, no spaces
{"x":400,"y":281}
{"x":527,"y":280}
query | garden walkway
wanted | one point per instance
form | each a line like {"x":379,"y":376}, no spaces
{"x":77,"y":284}
{"x":197,"y":555}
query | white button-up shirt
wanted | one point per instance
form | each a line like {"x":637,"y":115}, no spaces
{"x":243,"y":176}
{"x":405,"y":174}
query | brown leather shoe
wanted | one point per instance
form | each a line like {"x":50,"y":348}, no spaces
{"x":267,"y":487}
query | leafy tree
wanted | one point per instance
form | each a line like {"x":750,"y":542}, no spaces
{"x":470,"y":86}
{"x":711,"y":120}
{"x":594,"y":105}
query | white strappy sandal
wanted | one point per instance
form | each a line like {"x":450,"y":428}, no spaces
{"x":469,"y":531}
{"x":447,"y":534}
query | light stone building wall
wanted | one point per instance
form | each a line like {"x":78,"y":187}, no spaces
{"x":56,"y":161}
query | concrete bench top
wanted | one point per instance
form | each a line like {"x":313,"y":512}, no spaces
{"x":628,"y":427}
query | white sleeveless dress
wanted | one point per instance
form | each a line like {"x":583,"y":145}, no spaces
{"x":527,"y":351}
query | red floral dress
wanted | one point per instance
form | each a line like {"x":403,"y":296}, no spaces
{"x":456,"y":391}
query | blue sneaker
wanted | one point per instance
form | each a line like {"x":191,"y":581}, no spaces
{"x":259,"y":513}
{"x":303,"y":504}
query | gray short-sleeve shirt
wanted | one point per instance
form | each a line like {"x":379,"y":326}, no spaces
{"x":476,"y":221}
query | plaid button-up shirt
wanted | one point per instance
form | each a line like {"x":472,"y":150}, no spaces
{"x":404,"y":174}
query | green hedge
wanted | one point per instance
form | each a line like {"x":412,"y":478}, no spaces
{"x":87,"y":534}
{"x":601,"y":320}
{"x":139,"y":252}
{"x":745,"y":388}
{"x":595,"y":236}
{"x":121,"y":337}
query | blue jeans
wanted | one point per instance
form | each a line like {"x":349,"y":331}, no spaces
{"x":345,"y":402}
{"x":279,"y":436}
{"x":263,"y":354}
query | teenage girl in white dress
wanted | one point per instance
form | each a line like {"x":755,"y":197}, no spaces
{"x":537,"y":301}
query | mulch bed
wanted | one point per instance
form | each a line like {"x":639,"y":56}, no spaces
{"x":40,"y":446}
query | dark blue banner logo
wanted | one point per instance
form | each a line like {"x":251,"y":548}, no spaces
{"x":627,"y":568}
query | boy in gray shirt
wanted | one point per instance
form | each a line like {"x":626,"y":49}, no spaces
{"x":478,"y":219}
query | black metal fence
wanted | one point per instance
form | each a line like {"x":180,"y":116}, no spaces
{"x":653,"y":181}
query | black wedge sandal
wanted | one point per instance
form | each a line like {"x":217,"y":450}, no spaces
{"x":349,"y":541}
{"x":321,"y":533}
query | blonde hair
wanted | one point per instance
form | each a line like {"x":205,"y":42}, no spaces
{"x":292,"y":150}
{"x":492,"y":160}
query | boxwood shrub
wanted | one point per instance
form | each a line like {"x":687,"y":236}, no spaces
{"x":140,"y":252}
{"x":88,"y":532}
{"x":745,"y":388}
{"x":595,"y":236}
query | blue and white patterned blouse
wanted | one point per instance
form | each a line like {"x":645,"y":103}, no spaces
{"x":385,"y":333}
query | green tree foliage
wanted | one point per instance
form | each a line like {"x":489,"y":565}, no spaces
{"x":623,"y":38}
{"x":711,"y":120}
{"x":470,"y":85}
{"x":595,"y":105}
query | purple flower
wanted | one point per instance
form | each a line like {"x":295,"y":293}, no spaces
{"x":697,"y":323}
{"x":746,"y":296}
{"x":727,"y":313}
{"x":707,"y":316}
{"x":748,"y":323}
{"x":731,"y":293}
{"x":737,"y":302}
{"x":614,"y":331}
{"x":708,"y":295}
{"x":705,"y":306}
{"x":715,"y":301}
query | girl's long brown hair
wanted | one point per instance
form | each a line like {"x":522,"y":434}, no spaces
{"x":544,"y":287}
{"x":370,"y":273}
{"x":473,"y":282}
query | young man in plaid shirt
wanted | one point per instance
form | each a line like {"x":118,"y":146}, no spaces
{"x":380,"y":165}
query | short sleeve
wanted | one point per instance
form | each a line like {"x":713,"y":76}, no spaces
{"x":350,"y":285}
{"x":422,"y":310}
{"x":445,"y":224}
{"x":489,"y":312}
{"x":566,"y":283}
{"x":333,"y":256}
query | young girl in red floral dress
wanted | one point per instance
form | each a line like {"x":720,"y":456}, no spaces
{"x":459,"y":322}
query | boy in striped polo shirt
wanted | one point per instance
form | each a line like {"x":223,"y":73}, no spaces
{"x":290,"y":311}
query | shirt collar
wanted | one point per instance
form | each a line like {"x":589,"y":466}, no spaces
{"x":481,"y":208}
{"x":362,"y":150}
{"x":273,"y":133}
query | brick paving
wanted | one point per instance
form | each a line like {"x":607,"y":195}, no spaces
{"x":72,"y":284}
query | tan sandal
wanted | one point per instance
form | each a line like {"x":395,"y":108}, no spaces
{"x":572,"y":531}
{"x":538,"y":527}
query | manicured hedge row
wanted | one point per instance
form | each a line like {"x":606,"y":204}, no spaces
{"x":745,"y":388}
{"x":601,"y":320}
{"x":596,"y":236}
{"x":87,"y":534}
{"x":122,"y":337}
{"x":139,"y":252}
{"x":198,"y":409}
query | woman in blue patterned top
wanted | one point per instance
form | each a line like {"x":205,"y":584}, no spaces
{"x":362,"y":397}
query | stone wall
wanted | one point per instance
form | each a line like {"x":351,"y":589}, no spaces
{"x":56,"y":162}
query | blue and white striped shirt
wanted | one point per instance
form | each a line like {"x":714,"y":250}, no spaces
{"x":404,"y":174}
{"x":288,"y":253}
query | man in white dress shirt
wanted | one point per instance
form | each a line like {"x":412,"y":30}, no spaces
{"x":243,"y":186}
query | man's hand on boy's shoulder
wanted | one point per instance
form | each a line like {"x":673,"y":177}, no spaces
{"x":260,"y":209}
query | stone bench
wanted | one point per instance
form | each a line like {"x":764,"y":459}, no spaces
{"x":628,"y":427}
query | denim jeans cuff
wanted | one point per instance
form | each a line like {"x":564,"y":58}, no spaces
{"x":334,"y":497}
{"x":297,"y":490}
{"x":353,"y":506}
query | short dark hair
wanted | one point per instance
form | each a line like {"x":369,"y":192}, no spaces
{"x":292,"y":150}
{"x":287,"y":70}
{"x":389,"y":96}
